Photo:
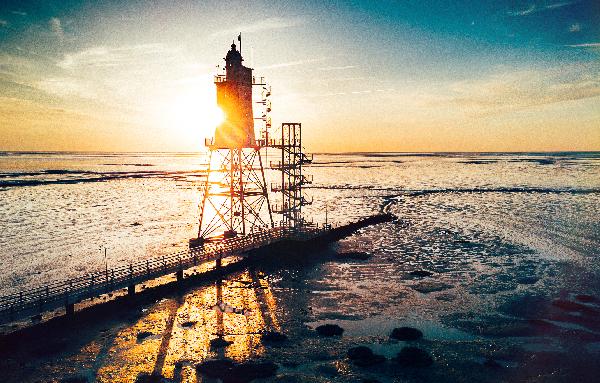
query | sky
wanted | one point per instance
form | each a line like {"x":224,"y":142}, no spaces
{"x":359,"y":75}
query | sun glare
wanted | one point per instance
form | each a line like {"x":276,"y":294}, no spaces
{"x":193,"y":115}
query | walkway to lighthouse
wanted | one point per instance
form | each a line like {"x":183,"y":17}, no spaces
{"x":66,"y":293}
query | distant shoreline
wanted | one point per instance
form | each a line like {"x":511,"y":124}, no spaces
{"x":9,"y":152}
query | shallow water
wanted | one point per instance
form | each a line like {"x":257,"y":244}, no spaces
{"x":511,"y":239}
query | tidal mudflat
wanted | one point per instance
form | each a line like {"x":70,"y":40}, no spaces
{"x":489,"y":275}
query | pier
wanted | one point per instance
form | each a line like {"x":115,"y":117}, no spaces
{"x":67,"y":293}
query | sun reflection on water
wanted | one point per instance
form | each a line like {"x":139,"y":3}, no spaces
{"x":175,"y":334}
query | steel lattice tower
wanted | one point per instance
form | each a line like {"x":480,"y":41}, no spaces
{"x":235,"y":199}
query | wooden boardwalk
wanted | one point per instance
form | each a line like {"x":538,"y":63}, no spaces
{"x":31,"y":302}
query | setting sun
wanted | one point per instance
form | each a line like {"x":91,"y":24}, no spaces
{"x":192,"y":114}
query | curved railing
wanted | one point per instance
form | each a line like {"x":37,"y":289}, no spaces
{"x":56,"y":294}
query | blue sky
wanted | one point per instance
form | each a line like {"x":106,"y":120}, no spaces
{"x":405,"y":75}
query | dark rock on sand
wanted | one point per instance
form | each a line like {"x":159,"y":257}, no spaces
{"x":406,"y":333}
{"x":230,"y":372}
{"x":414,"y":357}
{"x":427,"y":287}
{"x":74,"y":379}
{"x":573,"y":306}
{"x":585,"y":298}
{"x":359,"y":352}
{"x":188,"y":324}
{"x":219,"y":343}
{"x":421,"y":273}
{"x":362,"y":356}
{"x":143,"y":335}
{"x":326,"y":369}
{"x":527,"y":280}
{"x":361,"y":255}
{"x":492,"y":364}
{"x":273,"y":337}
{"x":149,"y":378}
{"x":329,"y":330}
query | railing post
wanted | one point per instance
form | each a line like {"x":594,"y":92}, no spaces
{"x":179,"y":273}
{"x":131,"y":285}
{"x":91,"y":285}
{"x":147,"y":267}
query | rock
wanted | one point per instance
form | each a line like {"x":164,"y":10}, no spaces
{"x":329,"y":330}
{"x":360,"y":352}
{"x":573,"y":306}
{"x":427,"y":287}
{"x":188,"y":324}
{"x":492,"y":364}
{"x":414,"y":357}
{"x":74,"y":379}
{"x":527,"y":280}
{"x":219,"y":343}
{"x":362,"y":356}
{"x":361,"y":255}
{"x":149,"y":378}
{"x":585,"y":298}
{"x":230,"y":372}
{"x":367,"y":362}
{"x":255,"y":370}
{"x":421,"y":273}
{"x":406,"y":333}
{"x":143,"y":335}
{"x":216,"y":368}
{"x":326,"y":369}
{"x":273,"y":337}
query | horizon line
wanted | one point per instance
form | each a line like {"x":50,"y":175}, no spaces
{"x":341,"y":152}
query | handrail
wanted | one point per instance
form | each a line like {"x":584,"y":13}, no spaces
{"x":90,"y":285}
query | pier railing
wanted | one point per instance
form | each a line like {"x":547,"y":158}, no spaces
{"x":68,"y":292}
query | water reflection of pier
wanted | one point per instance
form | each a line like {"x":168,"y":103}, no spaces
{"x":184,"y":330}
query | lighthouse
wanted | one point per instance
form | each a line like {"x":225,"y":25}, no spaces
{"x":234,"y":196}
{"x":234,"y":97}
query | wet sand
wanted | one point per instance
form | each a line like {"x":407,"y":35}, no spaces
{"x":167,"y":331}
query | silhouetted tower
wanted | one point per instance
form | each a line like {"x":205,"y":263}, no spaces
{"x":234,"y":96}
{"x":235,"y":199}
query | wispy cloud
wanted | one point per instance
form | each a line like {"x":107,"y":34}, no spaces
{"x":290,"y":63}
{"x":585,"y":45}
{"x":263,"y":25}
{"x":509,"y":91}
{"x":575,"y":28}
{"x":523,"y":12}
{"x":533,"y":8}
{"x":3,"y":23}
{"x":102,"y":56}
{"x":56,"y":27}
{"x":336,"y":68}
{"x":19,"y":13}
